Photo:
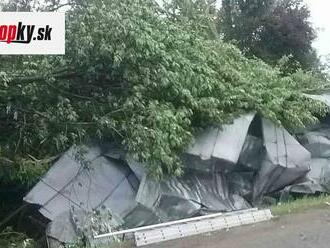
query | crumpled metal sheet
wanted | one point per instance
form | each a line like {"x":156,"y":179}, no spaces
{"x":320,"y":172}
{"x":224,"y":171}
{"x":309,"y":187}
{"x":102,"y":182}
{"x":62,"y":228}
{"x":251,"y":155}
{"x":58,"y":179}
{"x":71,"y":191}
{"x":138,"y":168}
{"x":316,"y":139}
{"x":215,"y":148}
{"x":192,"y":194}
{"x":241,"y":183}
{"x":317,"y":142}
{"x":139,"y":215}
{"x":316,"y":181}
{"x":285,"y":161}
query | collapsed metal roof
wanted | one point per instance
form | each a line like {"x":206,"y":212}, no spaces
{"x":225,"y":170}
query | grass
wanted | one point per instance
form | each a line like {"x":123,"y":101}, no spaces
{"x":300,"y":205}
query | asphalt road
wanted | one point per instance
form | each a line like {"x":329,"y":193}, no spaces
{"x":310,"y":229}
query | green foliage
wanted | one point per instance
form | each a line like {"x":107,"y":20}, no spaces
{"x":12,"y":239}
{"x":24,"y":172}
{"x":200,"y":13}
{"x":134,"y":73}
{"x":270,"y":29}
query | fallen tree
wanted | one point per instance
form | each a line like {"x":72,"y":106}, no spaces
{"x":135,"y":73}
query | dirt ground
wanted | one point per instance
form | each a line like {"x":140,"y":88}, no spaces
{"x":310,"y":229}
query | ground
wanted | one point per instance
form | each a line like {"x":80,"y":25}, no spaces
{"x":307,"y":229}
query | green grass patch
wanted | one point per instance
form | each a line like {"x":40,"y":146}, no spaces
{"x":299,"y":205}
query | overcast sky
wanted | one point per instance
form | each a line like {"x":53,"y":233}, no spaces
{"x":320,"y":17}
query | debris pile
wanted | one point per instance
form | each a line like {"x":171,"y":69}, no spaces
{"x":225,"y":169}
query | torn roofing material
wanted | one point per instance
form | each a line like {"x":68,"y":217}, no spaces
{"x":190,"y":195}
{"x":317,"y":142}
{"x":316,"y":139}
{"x":211,"y":143}
{"x":316,"y":181}
{"x":263,"y":158}
{"x":216,"y":146}
{"x":55,"y":184}
{"x":251,"y":155}
{"x":285,"y":160}
{"x":72,"y":184}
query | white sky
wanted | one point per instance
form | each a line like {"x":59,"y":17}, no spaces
{"x":320,"y":17}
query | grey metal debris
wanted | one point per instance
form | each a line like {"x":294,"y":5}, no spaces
{"x":252,"y":151}
{"x":317,"y":142}
{"x":72,"y":184}
{"x":216,"y":149}
{"x":225,"y":170}
{"x":284,"y":162}
{"x":191,"y":195}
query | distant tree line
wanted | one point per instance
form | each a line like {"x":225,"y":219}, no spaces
{"x":270,"y":29}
